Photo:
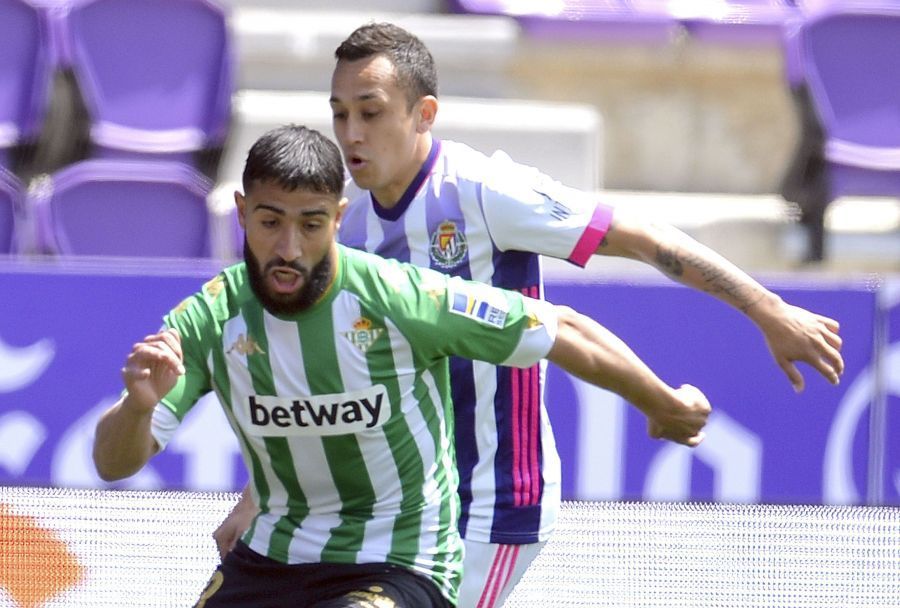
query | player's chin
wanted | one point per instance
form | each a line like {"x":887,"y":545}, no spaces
{"x":362,"y":175}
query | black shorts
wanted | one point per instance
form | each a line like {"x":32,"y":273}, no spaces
{"x":247,"y":579}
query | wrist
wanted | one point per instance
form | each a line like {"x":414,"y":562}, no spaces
{"x":136,"y":407}
{"x":765,"y":307}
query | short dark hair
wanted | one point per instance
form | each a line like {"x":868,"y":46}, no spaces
{"x":295,"y":157}
{"x":416,"y":73}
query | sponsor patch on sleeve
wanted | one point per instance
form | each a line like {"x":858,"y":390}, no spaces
{"x":478,"y":302}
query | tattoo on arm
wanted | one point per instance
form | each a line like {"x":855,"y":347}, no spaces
{"x":718,"y":281}
{"x":668,"y":262}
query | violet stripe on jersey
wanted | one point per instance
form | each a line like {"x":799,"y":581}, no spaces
{"x":526,"y":409}
{"x":526,"y":431}
{"x":505,"y":476}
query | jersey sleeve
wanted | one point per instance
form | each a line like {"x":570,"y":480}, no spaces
{"x":189,"y":318}
{"x":528,"y":211}
{"x":476,"y":321}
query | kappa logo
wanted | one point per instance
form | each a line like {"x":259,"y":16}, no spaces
{"x":330,"y":414}
{"x":245,"y":345}
{"x":448,"y":245}
{"x":363,"y":334}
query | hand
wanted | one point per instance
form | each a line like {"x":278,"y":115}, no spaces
{"x":684,"y":420}
{"x":152,"y":369}
{"x":233,"y":526}
{"x":796,"y":334}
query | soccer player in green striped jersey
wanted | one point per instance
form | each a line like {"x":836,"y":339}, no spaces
{"x":331,"y":365}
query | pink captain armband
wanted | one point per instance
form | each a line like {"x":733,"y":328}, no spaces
{"x":592,"y":235}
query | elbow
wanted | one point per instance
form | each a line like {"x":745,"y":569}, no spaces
{"x":113,"y":467}
{"x":108,"y":470}
{"x":107,"y":473}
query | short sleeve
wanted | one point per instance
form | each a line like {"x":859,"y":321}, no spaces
{"x":189,"y":318}
{"x":456,"y":317}
{"x":528,"y":211}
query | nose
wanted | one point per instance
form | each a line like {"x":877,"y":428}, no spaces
{"x":290,"y":244}
{"x":354,"y":129}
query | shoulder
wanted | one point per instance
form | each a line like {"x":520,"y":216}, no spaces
{"x":386,"y":283}
{"x":217,"y":299}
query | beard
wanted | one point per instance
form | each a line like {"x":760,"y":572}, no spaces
{"x":315,"y":283}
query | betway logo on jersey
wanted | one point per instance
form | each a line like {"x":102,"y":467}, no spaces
{"x":333,"y":414}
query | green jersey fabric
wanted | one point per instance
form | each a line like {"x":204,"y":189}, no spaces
{"x":343,"y":411}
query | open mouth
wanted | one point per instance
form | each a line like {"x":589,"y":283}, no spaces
{"x":285,"y":280}
{"x":356,"y":162}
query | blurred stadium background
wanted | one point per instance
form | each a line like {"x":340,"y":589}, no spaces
{"x":698,"y":112}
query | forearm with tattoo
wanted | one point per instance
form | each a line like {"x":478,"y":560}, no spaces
{"x":718,"y":277}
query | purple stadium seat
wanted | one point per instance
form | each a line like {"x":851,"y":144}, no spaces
{"x":735,"y":21}
{"x":24,"y":74}
{"x":124,"y":208}
{"x":849,"y":58}
{"x":10,"y":203}
{"x":637,"y":21}
{"x":156,"y":75}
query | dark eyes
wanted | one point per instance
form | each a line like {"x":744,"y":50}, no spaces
{"x":364,"y":115}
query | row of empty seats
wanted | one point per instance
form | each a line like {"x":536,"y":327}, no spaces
{"x":150,"y":83}
{"x":109,"y":207}
{"x":739,"y":21}
{"x":840,"y":58}
{"x":841,"y":64}
{"x":155,"y":76}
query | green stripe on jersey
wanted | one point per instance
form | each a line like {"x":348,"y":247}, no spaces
{"x":343,"y":411}
{"x":342,"y":452}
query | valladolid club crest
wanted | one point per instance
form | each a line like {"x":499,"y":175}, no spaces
{"x":448,"y":245}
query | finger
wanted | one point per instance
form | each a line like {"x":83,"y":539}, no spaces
{"x":696,"y":440}
{"x":793,"y":374}
{"x":835,"y":360}
{"x":828,"y":371}
{"x":135,"y":373}
{"x":148,"y":354}
{"x":830,"y":323}
{"x":172,"y":338}
{"x":833,"y":340}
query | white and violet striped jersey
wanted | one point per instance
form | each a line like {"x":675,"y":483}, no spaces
{"x":489,"y":219}
{"x":343,"y":411}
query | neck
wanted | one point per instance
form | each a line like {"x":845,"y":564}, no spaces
{"x":389,"y":197}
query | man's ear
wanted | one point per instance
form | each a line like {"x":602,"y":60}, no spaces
{"x":342,"y":206}
{"x":241,"y":204}
{"x":427,"y":112}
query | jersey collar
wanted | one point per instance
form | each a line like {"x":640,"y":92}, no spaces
{"x":397,"y":210}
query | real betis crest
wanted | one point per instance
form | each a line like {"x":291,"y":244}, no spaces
{"x":363,"y":334}
{"x":448,"y":245}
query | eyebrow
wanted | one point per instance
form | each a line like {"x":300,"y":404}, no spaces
{"x":280,"y":211}
{"x":363,"y":97}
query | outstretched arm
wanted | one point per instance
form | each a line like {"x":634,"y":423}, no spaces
{"x":123,"y":443}
{"x":792,"y":333}
{"x":586,"y":349}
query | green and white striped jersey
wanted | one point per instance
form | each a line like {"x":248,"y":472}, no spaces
{"x":343,"y":411}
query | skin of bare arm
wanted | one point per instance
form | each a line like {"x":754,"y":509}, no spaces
{"x":589,"y":351}
{"x":792,"y":334}
{"x":123,"y":443}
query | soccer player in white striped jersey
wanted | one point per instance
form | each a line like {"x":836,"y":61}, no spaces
{"x":332,"y":367}
{"x":444,"y":205}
